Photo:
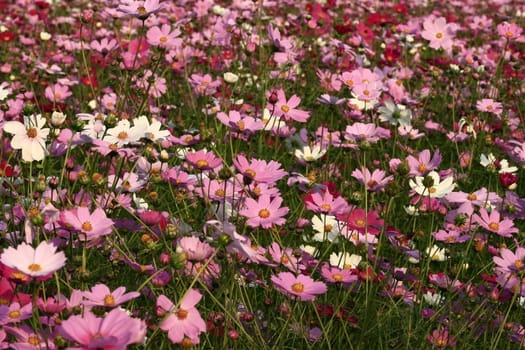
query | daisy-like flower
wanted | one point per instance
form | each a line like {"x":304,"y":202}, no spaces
{"x":101,"y":295}
{"x":345,"y":260}
{"x":395,"y":114}
{"x":35,"y":262}
{"x":509,"y":261}
{"x":374,"y":181}
{"x":183,"y":321}
{"x":492,"y":222}
{"x":116,"y":330}
{"x":140,"y":9}
{"x":301,"y":286}
{"x":309,"y":153}
{"x":287,"y":108}
{"x":327,"y":228}
{"x":439,"y":33}
{"x":264,"y":211}
{"x":490,"y":106}
{"x":163,"y":36}
{"x":30,"y":137}
{"x":123,"y":133}
{"x":431,"y":185}
{"x":424,"y":163}
{"x":259,"y":170}
{"x":90,"y":225}
{"x":203,"y":160}
{"x":240,"y":123}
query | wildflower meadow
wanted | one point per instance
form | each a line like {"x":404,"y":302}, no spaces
{"x":259,"y":174}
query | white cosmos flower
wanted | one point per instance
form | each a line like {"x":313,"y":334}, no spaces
{"x":30,"y":137}
{"x":326,"y":228}
{"x":345,"y":260}
{"x":431,"y":185}
{"x":309,"y":153}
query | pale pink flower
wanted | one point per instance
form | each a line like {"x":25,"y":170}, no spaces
{"x":374,"y":181}
{"x":57,"y":93}
{"x":101,"y":295}
{"x":492,"y":222}
{"x":439,"y":33}
{"x":303,"y":287}
{"x":89,"y":225}
{"x":163,"y":36}
{"x":35,"y":262}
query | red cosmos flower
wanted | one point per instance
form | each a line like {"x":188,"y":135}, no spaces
{"x":358,"y":219}
{"x":5,"y":169}
{"x":508,"y":179}
{"x":6,"y":37}
{"x":365,"y":32}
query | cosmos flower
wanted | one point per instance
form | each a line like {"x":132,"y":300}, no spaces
{"x":303,"y":287}
{"x":264,"y":212}
{"x":90,"y":225}
{"x":492,"y":222}
{"x":182,"y":321}
{"x":116,"y":330}
{"x":101,"y":295}
{"x":35,"y":262}
{"x":431,"y":185}
{"x":30,"y":137}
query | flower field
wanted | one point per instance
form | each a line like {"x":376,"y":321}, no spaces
{"x":262,"y":174}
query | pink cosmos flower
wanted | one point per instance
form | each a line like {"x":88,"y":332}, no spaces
{"x":439,"y":33}
{"x":373,"y":182}
{"x":362,"y":221}
{"x":194,"y":249}
{"x":163,"y":36}
{"x":509,"y":261}
{"x":101,"y":295}
{"x":259,"y":170}
{"x":30,"y":137}
{"x":301,"y":286}
{"x":360,"y":132}
{"x":325,"y":202}
{"x":509,"y":31}
{"x":490,"y":106}
{"x":141,"y":9}
{"x":440,"y":338}
{"x":26,"y":338}
{"x":492,"y":222}
{"x":204,"y":85}
{"x":89,"y":225}
{"x":423,"y":164}
{"x":240,"y":123}
{"x":203,"y":160}
{"x":264,"y":211}
{"x":334,"y":274}
{"x":114,"y":331}
{"x":287,"y":108}
{"x":35,"y":262}
{"x":15,"y":313}
{"x":183,"y":321}
{"x":57,"y":93}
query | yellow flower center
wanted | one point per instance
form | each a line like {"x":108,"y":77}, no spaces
{"x":432,"y":190}
{"x":360,"y":223}
{"x":163,"y":39}
{"x":519,"y":264}
{"x":422,"y":168}
{"x":122,"y":135}
{"x":34,"y":267}
{"x":33,"y":340}
{"x":250,"y":172}
{"x":337,"y":277}
{"x":494,"y":226}
{"x":264,"y":213}
{"x":472,"y":197}
{"x":285,"y":108}
{"x":298,"y":287}
{"x":109,"y":300}
{"x":14,"y":314}
{"x":32,"y":132}
{"x":202,"y":163}
{"x":86,"y":226}
{"x":439,"y":35}
{"x":326,"y":207}
{"x":182,"y":314}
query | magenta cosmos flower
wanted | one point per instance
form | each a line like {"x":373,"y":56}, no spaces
{"x":90,"y":225}
{"x":184,"y":321}
{"x":264,"y":212}
{"x":492,"y":222}
{"x":115,"y":331}
{"x":301,"y":286}
{"x":35,"y":262}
